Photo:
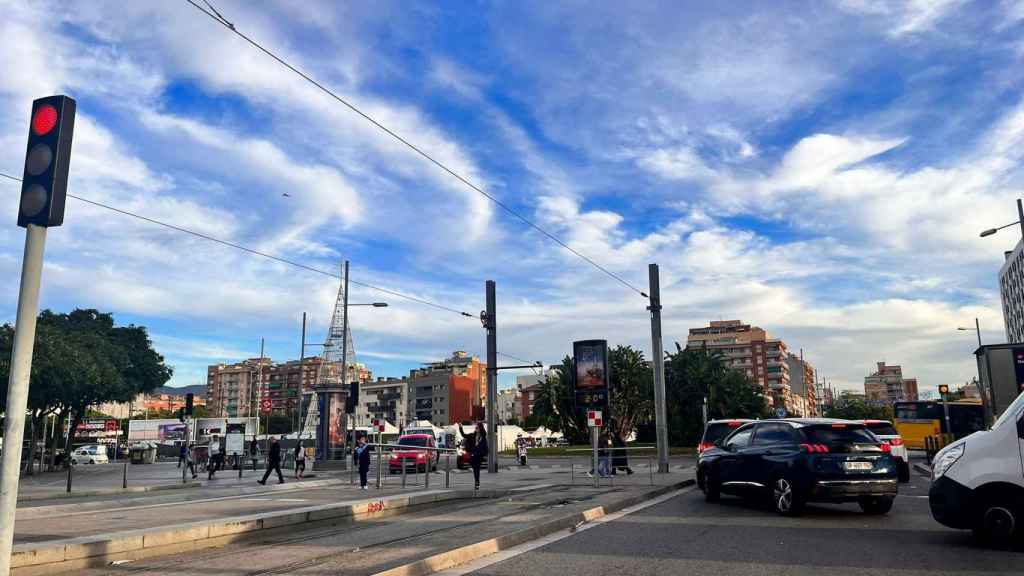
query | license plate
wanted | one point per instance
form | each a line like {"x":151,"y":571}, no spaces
{"x":858,"y":466}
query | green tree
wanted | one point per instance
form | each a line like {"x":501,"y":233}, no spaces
{"x":693,"y":374}
{"x":82,"y":359}
{"x":632,"y":390}
{"x":555,"y":408}
{"x":855,"y":407}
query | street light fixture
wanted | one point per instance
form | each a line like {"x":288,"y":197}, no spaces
{"x":1020,"y":220}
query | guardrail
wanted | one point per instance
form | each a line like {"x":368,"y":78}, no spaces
{"x":611,"y":477}
{"x":380,"y":450}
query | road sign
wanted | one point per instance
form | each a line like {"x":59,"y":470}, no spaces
{"x":780,"y":412}
{"x":266,"y":405}
{"x":594,"y":419}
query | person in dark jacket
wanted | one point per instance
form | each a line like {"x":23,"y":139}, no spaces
{"x":363,"y":456}
{"x":273,"y":463}
{"x":254,"y":452}
{"x":479,"y":453}
{"x":468,"y":443}
{"x":620,"y":460}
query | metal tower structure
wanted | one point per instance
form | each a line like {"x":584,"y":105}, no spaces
{"x":334,"y":356}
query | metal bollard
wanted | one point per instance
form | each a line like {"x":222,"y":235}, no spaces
{"x":377,"y":450}
{"x":572,"y":472}
{"x":650,"y":468}
{"x":426,"y":477}
{"x":402,"y":461}
{"x":448,"y":470}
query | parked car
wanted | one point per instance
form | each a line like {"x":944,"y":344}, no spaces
{"x":416,"y":460}
{"x":978,"y":481}
{"x":886,"y":432}
{"x":715,"y":430}
{"x":90,"y":454}
{"x":796,"y":461}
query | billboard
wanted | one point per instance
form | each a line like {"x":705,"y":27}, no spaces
{"x":171,"y":432}
{"x":99,"y":428}
{"x":590,"y":373}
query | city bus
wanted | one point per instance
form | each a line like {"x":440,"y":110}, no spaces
{"x":917,"y":420}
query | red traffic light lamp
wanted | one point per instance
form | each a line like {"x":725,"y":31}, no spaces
{"x":44,"y":185}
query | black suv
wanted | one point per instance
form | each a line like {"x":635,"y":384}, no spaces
{"x":795,"y":461}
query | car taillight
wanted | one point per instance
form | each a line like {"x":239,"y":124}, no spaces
{"x":886,"y":447}
{"x":704,"y":446}
{"x":815,"y":448}
{"x":896,"y":442}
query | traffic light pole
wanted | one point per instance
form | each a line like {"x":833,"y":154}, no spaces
{"x":17,"y":387}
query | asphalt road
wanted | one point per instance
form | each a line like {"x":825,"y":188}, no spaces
{"x":685,"y":535}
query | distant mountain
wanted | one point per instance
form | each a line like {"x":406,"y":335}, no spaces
{"x":198,"y":389}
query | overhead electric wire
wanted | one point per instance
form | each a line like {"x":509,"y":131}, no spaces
{"x":216,"y":16}
{"x":257,"y":252}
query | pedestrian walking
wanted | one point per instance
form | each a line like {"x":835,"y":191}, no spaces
{"x":479,"y":453}
{"x":620,"y":457}
{"x":273,"y":462}
{"x":363,"y":456}
{"x":182,"y":455}
{"x":190,"y":461}
{"x":254,"y":452}
{"x":300,"y":459}
{"x":214,"y":458}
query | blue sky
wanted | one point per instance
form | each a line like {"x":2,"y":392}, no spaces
{"x":819,"y":170}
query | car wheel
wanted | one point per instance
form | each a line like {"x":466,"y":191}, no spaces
{"x":786,"y":499}
{"x":903,"y":468}
{"x":997,"y":525}
{"x":712,"y":489}
{"x":876,"y":505}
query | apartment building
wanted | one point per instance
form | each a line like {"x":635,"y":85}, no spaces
{"x":802,"y":384}
{"x":750,"y":350}
{"x":887,"y":385}
{"x":385,"y":398}
{"x":1011,"y":293}
{"x":460,"y":363}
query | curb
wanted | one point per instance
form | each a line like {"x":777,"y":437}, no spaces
{"x":91,"y":551}
{"x":464,"y":554}
{"x":113,"y":492}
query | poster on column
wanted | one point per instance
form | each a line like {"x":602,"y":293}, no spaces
{"x":235,"y":439}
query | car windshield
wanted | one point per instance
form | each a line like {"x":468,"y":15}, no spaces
{"x":718,"y":430}
{"x":834,"y":434}
{"x":882,"y":428}
{"x":413,"y":441}
{"x":1011,"y":411}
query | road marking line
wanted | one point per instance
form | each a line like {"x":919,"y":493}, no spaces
{"x":489,"y":560}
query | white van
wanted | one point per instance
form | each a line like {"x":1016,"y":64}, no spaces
{"x":978,"y":481}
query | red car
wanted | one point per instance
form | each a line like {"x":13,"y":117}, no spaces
{"x":415,"y":460}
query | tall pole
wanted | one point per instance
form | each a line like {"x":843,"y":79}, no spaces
{"x":259,"y":398}
{"x":344,"y":348}
{"x":124,"y":454}
{"x":302,"y":356}
{"x":658,"y":351}
{"x":977,"y":325}
{"x":492,"y":379}
{"x":17,"y":387}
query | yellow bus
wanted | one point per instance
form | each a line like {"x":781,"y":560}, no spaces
{"x":917,"y":420}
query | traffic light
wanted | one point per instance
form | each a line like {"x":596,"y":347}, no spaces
{"x":188,"y":403}
{"x":45,"y":181}
{"x":943,"y":389}
{"x":353,"y":398}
